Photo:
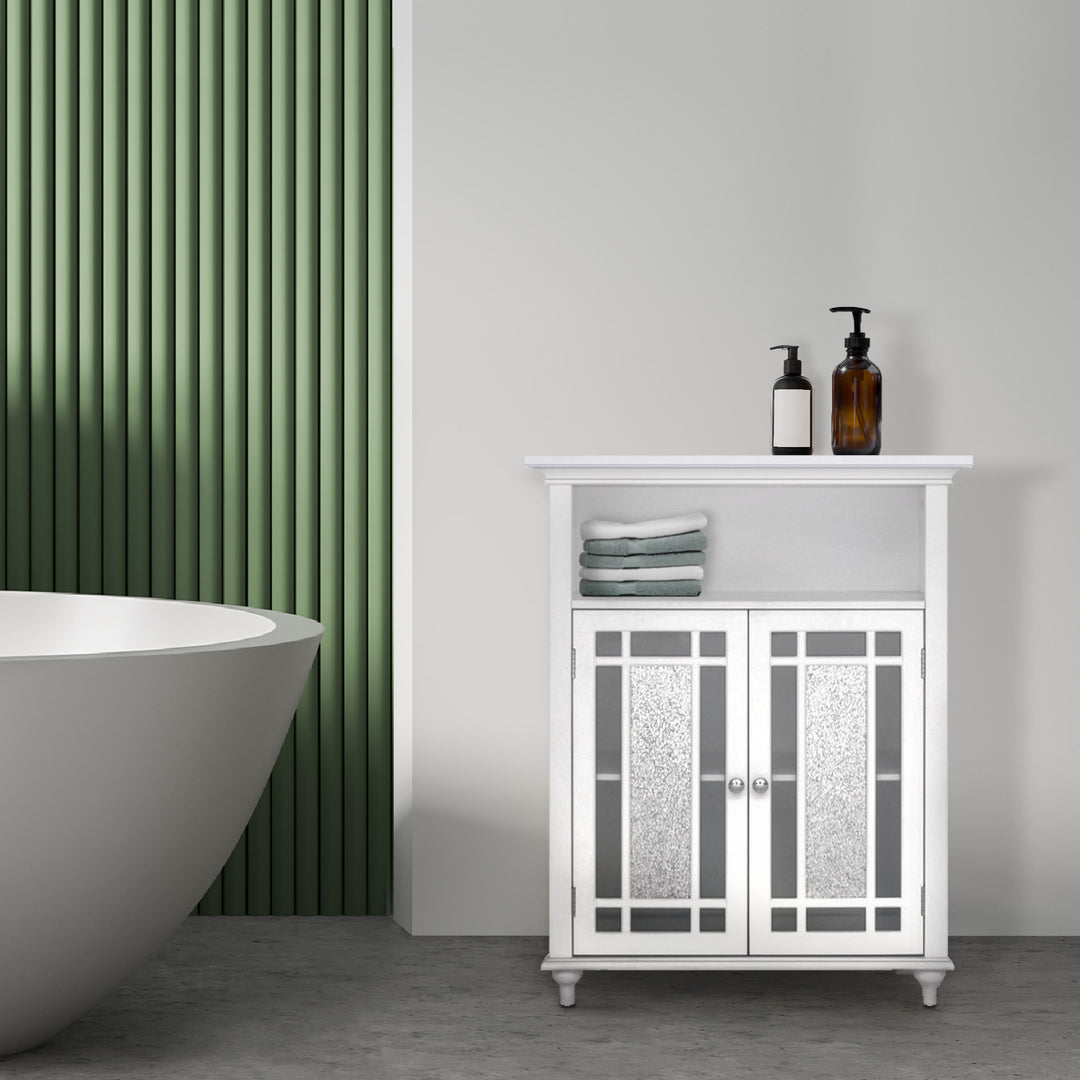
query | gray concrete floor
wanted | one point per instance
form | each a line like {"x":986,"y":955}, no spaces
{"x":304,"y":998}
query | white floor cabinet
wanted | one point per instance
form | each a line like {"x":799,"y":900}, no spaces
{"x":754,"y":778}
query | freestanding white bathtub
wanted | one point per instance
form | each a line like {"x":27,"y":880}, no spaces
{"x":135,"y":739}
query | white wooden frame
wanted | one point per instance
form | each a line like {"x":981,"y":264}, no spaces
{"x":560,"y":808}
{"x":908,"y":940}
{"x":935,"y":691}
{"x":732,"y":940}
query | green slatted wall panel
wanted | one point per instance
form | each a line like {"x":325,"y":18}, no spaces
{"x":196,"y":395}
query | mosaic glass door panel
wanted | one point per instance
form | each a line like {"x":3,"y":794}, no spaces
{"x":659,"y":734}
{"x":836,"y":782}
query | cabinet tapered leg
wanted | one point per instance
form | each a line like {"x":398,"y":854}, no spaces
{"x":929,"y":981}
{"x":567,"y":980}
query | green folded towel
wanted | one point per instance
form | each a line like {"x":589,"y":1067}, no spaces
{"x":637,"y":562}
{"x":640,"y":588}
{"x":653,"y":545}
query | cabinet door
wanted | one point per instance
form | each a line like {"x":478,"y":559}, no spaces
{"x":836,"y":730}
{"x":659,"y":728}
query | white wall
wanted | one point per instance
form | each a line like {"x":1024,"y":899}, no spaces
{"x":619,"y":205}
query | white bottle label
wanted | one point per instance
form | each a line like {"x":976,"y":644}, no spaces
{"x":791,"y":418}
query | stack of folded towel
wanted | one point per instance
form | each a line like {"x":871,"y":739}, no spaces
{"x":662,"y":557}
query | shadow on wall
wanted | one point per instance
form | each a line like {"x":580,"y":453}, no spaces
{"x":457,"y":852}
{"x":987,"y":698}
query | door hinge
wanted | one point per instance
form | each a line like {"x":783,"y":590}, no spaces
{"x":573,"y":663}
{"x":573,"y":900}
{"x":922,"y":662}
{"x":922,"y":901}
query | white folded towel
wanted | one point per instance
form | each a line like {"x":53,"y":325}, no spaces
{"x":644,"y":573}
{"x":641,"y":530}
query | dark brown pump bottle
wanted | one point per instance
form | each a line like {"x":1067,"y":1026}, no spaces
{"x":856,"y":395}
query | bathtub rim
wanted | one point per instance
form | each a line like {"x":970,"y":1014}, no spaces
{"x":287,"y":628}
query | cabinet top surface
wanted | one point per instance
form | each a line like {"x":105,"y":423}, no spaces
{"x":599,"y":467}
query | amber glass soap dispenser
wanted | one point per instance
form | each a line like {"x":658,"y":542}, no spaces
{"x":856,"y":395}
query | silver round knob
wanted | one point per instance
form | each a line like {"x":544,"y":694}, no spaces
{"x":761,"y":784}
{"x":735,"y":785}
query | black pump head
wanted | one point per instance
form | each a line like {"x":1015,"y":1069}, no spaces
{"x":792,"y":365}
{"x":857,"y":341}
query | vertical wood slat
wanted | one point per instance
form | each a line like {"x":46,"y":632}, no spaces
{"x":161,"y":358}
{"x":354,"y":630}
{"x":186,"y":322}
{"x":308,"y":854}
{"x":42,"y":196}
{"x":210,"y":285}
{"x":196,"y":205}
{"x":90,"y":295}
{"x":210,"y":319}
{"x":282,"y":419}
{"x":330,"y":457}
{"x":234,"y":359}
{"x":259,"y":180}
{"x":114,"y":285}
{"x":4,"y":92}
{"x":65,"y":509}
{"x":17,"y":414}
{"x":138,"y":457}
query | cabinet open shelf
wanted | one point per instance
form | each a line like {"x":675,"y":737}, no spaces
{"x":777,"y":541}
